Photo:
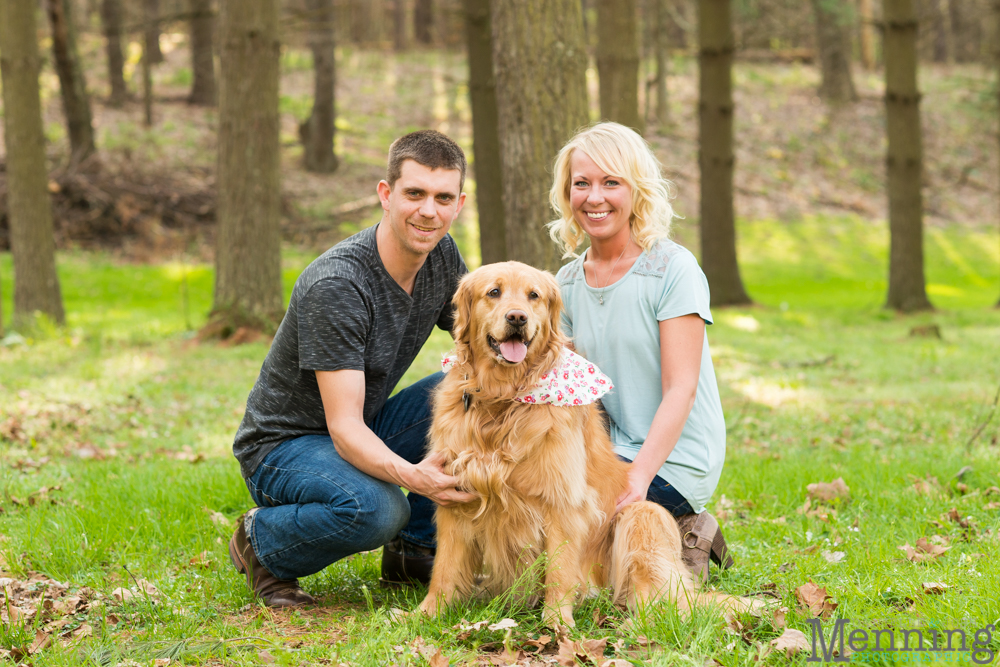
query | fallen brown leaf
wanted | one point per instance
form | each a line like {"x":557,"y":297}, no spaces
{"x":778,"y":618}
{"x":791,"y":642}
{"x":927,"y":486}
{"x":829,"y":492}
{"x":934,"y":587}
{"x":815,"y":599}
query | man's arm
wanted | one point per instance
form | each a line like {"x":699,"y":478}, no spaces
{"x":343,"y":394}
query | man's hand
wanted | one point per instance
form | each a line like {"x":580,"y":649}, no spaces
{"x":430,"y":479}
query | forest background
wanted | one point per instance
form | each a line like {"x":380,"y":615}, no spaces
{"x":132,"y":337}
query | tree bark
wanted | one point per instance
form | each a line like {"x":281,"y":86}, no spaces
{"x":73,"y":85}
{"x":423,"y":21}
{"x":996,"y":63}
{"x":32,"y":245}
{"x":485,"y":137}
{"x":904,"y":161}
{"x":203,"y":89}
{"x":618,"y":62}
{"x":837,"y":86}
{"x":866,"y":16}
{"x":111,"y":22}
{"x":540,"y":65}
{"x":151,"y":32}
{"x":317,"y":132}
{"x":399,"y":24}
{"x":248,"y":247}
{"x":715,"y":156}
{"x":661,"y":46}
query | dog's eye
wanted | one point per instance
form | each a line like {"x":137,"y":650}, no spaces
{"x":494,"y":293}
{"x":532,"y":295}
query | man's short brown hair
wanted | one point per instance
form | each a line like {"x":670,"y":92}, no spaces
{"x":430,"y":148}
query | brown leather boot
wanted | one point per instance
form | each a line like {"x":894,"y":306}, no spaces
{"x":404,"y":563}
{"x":702,"y":541}
{"x":273,"y":591}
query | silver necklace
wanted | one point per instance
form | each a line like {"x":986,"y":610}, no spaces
{"x":600,"y":297}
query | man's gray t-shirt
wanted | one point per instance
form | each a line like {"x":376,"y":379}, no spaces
{"x":346,"y":313}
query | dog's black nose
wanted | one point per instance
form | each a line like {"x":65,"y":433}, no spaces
{"x":517,"y":318}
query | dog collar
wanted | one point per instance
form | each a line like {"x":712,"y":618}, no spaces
{"x":574,"y":381}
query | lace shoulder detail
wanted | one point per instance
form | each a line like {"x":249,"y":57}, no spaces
{"x":654,"y":263}
{"x":571,"y":272}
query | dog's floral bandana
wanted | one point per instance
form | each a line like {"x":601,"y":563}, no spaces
{"x":575,"y":381}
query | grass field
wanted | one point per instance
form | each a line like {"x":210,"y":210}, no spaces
{"x":116,"y":473}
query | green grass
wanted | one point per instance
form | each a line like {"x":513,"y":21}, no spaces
{"x":817,"y":380}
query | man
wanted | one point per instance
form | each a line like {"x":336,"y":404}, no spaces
{"x":322,"y":448}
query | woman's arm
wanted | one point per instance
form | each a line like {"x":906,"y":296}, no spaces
{"x":681,"y":342}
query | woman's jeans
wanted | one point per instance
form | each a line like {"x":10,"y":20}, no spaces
{"x":316,"y":508}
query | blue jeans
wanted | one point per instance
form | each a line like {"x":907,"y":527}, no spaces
{"x":316,"y":508}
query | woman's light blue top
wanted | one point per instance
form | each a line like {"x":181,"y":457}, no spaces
{"x":622,"y":337}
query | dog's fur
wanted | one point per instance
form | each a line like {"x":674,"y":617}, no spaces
{"x":546,"y":476}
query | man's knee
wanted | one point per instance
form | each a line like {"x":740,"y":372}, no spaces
{"x":383,"y":511}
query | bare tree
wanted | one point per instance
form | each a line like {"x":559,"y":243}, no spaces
{"x":202,"y":53}
{"x":485,"y":137}
{"x":399,"y":24}
{"x":248,"y":246}
{"x":866,"y":36}
{"x":317,"y":132}
{"x":904,"y":161}
{"x":423,"y":21}
{"x":618,"y":61}
{"x":996,"y":62}
{"x":661,"y":44}
{"x":111,"y":22}
{"x":36,"y":284}
{"x":715,"y":156}
{"x":151,"y":31}
{"x":540,"y":65}
{"x":832,"y":19}
{"x":72,"y":84}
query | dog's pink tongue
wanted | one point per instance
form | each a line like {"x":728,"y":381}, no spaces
{"x":513,"y":351}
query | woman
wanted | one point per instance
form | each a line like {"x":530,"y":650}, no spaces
{"x":636,"y":304}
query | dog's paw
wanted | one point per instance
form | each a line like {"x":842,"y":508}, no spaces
{"x":429,"y":606}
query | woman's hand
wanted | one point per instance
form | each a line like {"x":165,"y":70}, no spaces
{"x":635,"y":489}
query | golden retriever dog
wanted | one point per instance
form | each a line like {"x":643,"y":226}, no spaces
{"x":545,"y":475}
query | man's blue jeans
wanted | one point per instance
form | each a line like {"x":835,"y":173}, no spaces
{"x":316,"y":508}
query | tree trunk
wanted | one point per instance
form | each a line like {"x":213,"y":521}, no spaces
{"x":836,"y":87}
{"x":661,"y":45}
{"x":540,"y":65}
{"x":76,"y":102}
{"x":399,"y":24}
{"x":152,"y":31}
{"x":202,"y":53}
{"x":423,"y":21}
{"x":485,"y":138}
{"x":618,"y":62}
{"x":866,"y":16}
{"x":904,"y":162}
{"x":715,"y":157}
{"x":317,"y":131}
{"x":248,"y":246}
{"x":996,"y":63}
{"x":111,"y":21}
{"x":32,"y":245}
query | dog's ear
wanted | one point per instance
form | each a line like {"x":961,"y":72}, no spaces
{"x":463,"y":310}
{"x":555,"y":305}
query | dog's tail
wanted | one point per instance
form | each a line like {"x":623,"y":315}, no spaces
{"x":646,"y":564}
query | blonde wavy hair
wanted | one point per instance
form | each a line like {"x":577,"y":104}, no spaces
{"x":620,"y":152}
